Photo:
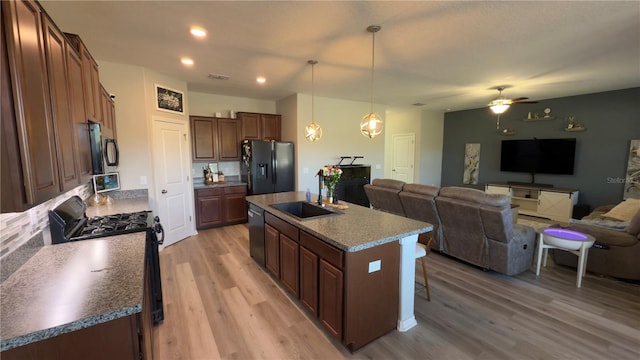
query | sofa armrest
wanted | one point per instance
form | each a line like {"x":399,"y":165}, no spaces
{"x":523,"y":234}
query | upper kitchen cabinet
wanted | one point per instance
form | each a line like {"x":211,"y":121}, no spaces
{"x":61,"y":105}
{"x":29,"y":99}
{"x":215,"y":139}
{"x":256,"y":126}
{"x":90,"y":80}
{"x":108,"y":111}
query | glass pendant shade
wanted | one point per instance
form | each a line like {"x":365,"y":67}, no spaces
{"x":371,"y":125}
{"x":313,"y":132}
{"x":499,"y":108}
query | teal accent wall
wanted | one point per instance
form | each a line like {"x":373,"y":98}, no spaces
{"x":611,"y":120}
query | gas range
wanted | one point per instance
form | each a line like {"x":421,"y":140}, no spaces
{"x":99,"y":226}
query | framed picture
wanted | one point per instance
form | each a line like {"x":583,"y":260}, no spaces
{"x":471,"y":164}
{"x":632,"y":180}
{"x":169,"y":100}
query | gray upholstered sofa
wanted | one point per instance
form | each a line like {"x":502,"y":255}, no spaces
{"x":616,"y":251}
{"x":468,"y":224}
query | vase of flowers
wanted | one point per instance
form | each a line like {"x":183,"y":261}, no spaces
{"x":331,"y":174}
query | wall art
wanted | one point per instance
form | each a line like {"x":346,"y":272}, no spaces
{"x":471,"y":163}
{"x":632,"y":180}
{"x":169,"y":100}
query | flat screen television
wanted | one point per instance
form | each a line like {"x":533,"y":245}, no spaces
{"x":538,"y":156}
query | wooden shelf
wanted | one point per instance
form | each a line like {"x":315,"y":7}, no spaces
{"x":575,"y":129}
{"x":544,"y":118}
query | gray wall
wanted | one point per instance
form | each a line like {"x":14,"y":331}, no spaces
{"x":611,"y":119}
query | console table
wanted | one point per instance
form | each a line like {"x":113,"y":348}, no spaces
{"x":545,"y":202}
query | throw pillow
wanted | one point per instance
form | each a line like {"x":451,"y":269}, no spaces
{"x":624,"y":211}
{"x":634,"y":225}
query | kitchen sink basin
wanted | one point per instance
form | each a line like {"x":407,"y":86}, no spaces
{"x":303,"y":210}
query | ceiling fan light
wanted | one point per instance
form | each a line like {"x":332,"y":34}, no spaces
{"x":371,"y":125}
{"x":499,"y":108}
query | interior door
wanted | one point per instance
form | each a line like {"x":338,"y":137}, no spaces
{"x":403,"y":157}
{"x":172,"y":179}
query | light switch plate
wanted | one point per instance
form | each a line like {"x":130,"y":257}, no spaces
{"x":375,"y":266}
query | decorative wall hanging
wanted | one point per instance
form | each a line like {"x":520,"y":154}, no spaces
{"x":471,"y":163}
{"x":632,"y":181}
{"x":169,"y":100}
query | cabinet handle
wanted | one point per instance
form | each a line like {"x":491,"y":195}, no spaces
{"x":164,"y":191}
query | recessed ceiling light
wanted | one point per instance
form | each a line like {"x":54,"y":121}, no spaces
{"x":186,"y":61}
{"x":261,"y":79}
{"x":198,"y":31}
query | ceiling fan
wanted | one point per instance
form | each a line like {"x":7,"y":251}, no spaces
{"x":500,"y":104}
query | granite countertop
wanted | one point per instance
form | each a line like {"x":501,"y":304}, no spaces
{"x":71,"y":286}
{"x":353,"y":229}
{"x":202,"y":185}
{"x":119,"y":206}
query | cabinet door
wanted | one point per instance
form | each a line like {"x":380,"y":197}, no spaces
{"x":235,"y":205}
{"x":204,"y":131}
{"x":500,"y":190}
{"x":34,"y":122}
{"x":555,"y":205}
{"x":105,"y":109}
{"x":271,"y":127}
{"x":272,"y":249}
{"x":60,"y":101}
{"x":112,"y":114}
{"x":330,"y":298}
{"x":80,"y":124}
{"x":289,"y":264}
{"x":309,"y":280}
{"x":91,"y":85}
{"x":251,"y":126}
{"x":228,"y":139}
{"x":208,"y":211}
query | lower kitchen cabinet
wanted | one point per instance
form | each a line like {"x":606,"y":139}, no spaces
{"x":309,"y":280}
{"x":208,"y":208}
{"x":272,"y":249}
{"x":289,"y":263}
{"x":220,"y":206}
{"x":330,"y":287}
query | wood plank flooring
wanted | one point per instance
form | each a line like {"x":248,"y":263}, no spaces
{"x":220,"y":305}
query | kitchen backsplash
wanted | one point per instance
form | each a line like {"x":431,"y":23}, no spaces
{"x":17,"y":229}
{"x":231,"y":168}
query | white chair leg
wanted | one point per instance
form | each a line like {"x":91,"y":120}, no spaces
{"x":540,"y":250}
{"x":581,"y":262}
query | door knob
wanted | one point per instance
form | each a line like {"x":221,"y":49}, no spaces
{"x":164,"y":191}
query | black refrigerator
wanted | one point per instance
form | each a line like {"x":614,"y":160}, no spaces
{"x":268,"y":166}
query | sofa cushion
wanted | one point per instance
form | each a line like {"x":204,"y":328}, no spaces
{"x":625,"y":210}
{"x":475,"y":196}
{"x":389,"y":183}
{"x":634,"y":225}
{"x":427,"y":190}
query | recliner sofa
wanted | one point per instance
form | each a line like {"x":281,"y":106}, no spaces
{"x":468,"y":224}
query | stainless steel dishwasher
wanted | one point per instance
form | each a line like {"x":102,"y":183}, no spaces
{"x":256,"y":233}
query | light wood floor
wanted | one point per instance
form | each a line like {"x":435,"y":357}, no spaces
{"x":220,"y":304}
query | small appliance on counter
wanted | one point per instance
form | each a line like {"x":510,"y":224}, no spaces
{"x":68,"y":222}
{"x":102,"y":184}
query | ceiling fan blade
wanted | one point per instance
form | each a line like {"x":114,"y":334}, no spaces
{"x":520,"y":99}
{"x":524,"y":102}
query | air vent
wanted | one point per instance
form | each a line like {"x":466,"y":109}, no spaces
{"x":218,"y":77}
{"x":418,"y":104}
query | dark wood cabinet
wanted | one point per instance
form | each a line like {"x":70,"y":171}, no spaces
{"x":218,"y":206}
{"x":309,"y":280}
{"x":90,"y":80}
{"x":209,"y":208}
{"x":204,"y":131}
{"x":34,"y":125}
{"x":235,"y":205}
{"x":228,"y":139}
{"x":78,"y":118}
{"x":108,"y":111}
{"x":256,"y":126}
{"x":330,"y":290}
{"x":272,"y":249}
{"x":215,"y":139}
{"x":61,"y":105}
{"x":289,"y":264}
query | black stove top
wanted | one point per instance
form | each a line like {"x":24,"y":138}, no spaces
{"x":68,"y":222}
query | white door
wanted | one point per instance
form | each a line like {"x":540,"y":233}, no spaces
{"x":402,"y":157}
{"x":172,"y":179}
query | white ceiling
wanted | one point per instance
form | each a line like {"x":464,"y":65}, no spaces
{"x":445,"y":54}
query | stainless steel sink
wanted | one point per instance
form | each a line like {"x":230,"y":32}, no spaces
{"x":304,"y":210}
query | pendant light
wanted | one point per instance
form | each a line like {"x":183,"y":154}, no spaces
{"x":372,"y":124}
{"x":313,"y":131}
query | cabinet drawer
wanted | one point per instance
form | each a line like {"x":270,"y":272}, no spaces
{"x":235,"y":190}
{"x":209,"y":192}
{"x":329,"y":253}
{"x":282,"y":226}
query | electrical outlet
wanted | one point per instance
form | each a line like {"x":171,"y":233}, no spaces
{"x":305,"y":170}
{"x":375,"y":266}
{"x":378,"y":166}
{"x":143,"y":180}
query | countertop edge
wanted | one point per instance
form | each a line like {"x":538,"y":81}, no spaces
{"x":69,"y":327}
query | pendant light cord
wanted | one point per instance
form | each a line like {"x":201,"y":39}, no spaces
{"x":373,"y":50}
{"x":312,"y":95}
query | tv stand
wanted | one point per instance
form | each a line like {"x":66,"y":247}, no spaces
{"x":530,"y":184}
{"x":542,"y":201}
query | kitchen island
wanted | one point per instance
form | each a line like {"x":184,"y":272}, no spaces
{"x":78,"y":298}
{"x":353,"y":269}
